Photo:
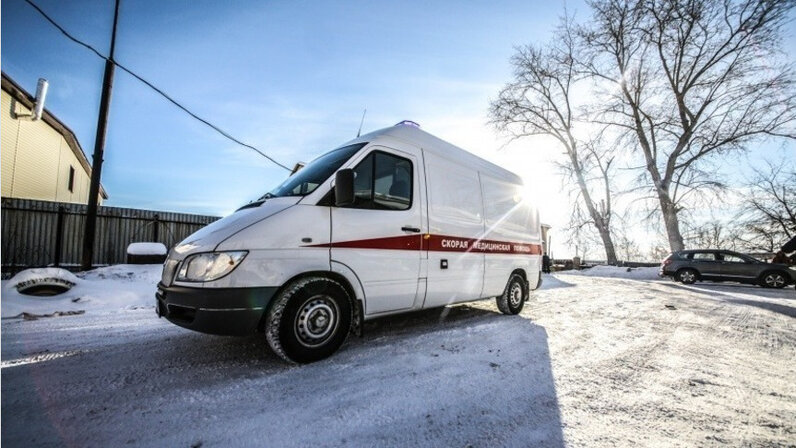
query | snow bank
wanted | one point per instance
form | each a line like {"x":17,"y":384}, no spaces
{"x":617,"y":272}
{"x":127,"y":273}
{"x":106,"y":289}
{"x":146,"y":249}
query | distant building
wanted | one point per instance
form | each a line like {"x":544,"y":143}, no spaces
{"x":41,"y":159}
{"x":546,"y":239}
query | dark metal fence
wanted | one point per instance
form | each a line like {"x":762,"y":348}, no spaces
{"x":43,"y":233}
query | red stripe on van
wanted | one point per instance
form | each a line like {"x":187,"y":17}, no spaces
{"x":404,"y":242}
{"x":439,"y":243}
{"x":444,"y":243}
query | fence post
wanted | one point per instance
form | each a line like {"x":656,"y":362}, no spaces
{"x":59,"y":234}
{"x":157,"y":227}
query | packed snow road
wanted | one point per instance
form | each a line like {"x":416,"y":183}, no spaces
{"x":591,"y":361}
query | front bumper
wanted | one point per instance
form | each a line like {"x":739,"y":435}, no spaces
{"x":224,"y":311}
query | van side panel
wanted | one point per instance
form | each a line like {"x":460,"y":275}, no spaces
{"x":455,"y":217}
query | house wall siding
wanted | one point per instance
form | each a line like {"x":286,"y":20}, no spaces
{"x":36,"y":159}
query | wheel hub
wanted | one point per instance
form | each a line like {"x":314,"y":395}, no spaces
{"x":316,"y":321}
{"x":775,"y":280}
{"x":515,"y":295}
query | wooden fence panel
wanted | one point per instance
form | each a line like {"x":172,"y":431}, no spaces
{"x":43,"y":233}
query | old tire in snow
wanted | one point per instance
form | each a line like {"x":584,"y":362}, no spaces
{"x":773,"y":279}
{"x":513,"y":298}
{"x":45,"y":287}
{"x":43,"y":281}
{"x":309,"y":320}
{"x":687,"y":276}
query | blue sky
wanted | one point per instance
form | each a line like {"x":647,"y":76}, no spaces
{"x":289,"y":77}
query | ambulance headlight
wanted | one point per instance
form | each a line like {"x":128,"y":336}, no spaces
{"x":209,"y":266}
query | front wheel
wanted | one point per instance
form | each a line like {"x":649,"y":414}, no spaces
{"x":686,"y":276}
{"x":513,"y":298}
{"x":309,"y":320}
{"x":773,"y":280}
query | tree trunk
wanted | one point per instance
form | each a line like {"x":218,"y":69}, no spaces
{"x":601,"y":221}
{"x":610,"y":252}
{"x":671,"y":221}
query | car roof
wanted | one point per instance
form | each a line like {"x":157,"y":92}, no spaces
{"x":724,"y":251}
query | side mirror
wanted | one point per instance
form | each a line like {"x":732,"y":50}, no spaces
{"x":344,"y":188}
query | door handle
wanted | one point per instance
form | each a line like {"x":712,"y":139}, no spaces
{"x":410,"y":229}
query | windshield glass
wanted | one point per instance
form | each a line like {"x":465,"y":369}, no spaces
{"x":307,"y":179}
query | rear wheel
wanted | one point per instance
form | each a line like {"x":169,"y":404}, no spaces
{"x":686,"y":276}
{"x":309,"y":320}
{"x":773,"y":280}
{"x":513,"y":298}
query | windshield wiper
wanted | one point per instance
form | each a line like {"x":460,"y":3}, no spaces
{"x":258,"y":202}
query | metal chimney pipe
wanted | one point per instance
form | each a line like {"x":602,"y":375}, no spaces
{"x":41,"y":95}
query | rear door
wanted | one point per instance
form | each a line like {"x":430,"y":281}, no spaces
{"x":380,"y":236}
{"x":706,"y":263}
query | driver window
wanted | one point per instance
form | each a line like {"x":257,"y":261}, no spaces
{"x":384,"y":182}
{"x":732,"y":258}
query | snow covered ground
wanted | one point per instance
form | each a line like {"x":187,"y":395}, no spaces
{"x":599,"y":358}
{"x":109,"y":289}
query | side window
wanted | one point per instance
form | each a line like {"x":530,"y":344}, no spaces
{"x":363,"y":182}
{"x":71,"y":183}
{"x":704,"y":256}
{"x":383,"y":182}
{"x":732,"y":258}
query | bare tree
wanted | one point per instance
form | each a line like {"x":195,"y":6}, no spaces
{"x":628,"y":248}
{"x":658,"y":247}
{"x":769,"y":216}
{"x":689,"y":80}
{"x":713,"y":234}
{"x":539,"y":101}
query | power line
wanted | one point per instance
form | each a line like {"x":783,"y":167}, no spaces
{"x":150,"y":85}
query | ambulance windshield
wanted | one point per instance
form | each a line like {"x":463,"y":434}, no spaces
{"x":307,"y":179}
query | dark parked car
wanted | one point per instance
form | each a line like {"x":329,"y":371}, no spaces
{"x":689,"y":266}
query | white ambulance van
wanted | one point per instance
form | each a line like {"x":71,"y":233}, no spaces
{"x":394,"y":221}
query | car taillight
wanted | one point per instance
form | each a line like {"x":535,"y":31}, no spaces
{"x":667,"y":261}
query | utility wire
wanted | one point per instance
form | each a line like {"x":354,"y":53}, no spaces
{"x":150,"y":85}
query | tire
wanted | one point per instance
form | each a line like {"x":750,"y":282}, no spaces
{"x":44,"y":287}
{"x":774,"y":279}
{"x":687,"y":276}
{"x":514,"y":296}
{"x":309,"y":320}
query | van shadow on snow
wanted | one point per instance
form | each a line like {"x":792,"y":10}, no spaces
{"x":450,"y":376}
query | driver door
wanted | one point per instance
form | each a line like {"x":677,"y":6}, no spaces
{"x":379,"y":236}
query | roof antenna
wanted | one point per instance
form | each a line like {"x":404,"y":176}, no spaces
{"x":362,"y":121}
